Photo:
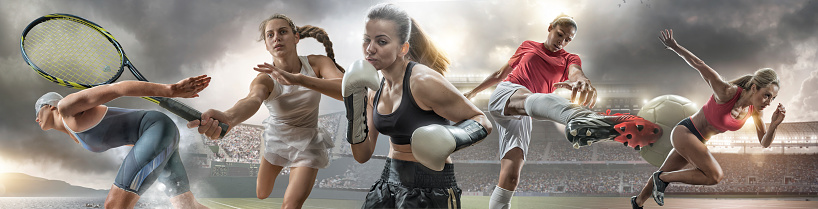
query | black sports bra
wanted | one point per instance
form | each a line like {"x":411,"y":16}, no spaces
{"x":400,"y":124}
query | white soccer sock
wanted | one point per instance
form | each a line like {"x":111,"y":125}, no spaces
{"x":552,"y":107}
{"x":500,"y":198}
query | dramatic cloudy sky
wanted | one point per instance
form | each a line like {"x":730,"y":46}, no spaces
{"x":617,"y":40}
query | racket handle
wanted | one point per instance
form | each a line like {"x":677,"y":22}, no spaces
{"x":186,"y":112}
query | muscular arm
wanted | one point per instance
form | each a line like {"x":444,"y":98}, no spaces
{"x":582,"y":92}
{"x":81,"y":101}
{"x":86,"y":99}
{"x":328,"y":81}
{"x":492,"y":80}
{"x":765,"y":137}
{"x":443,"y":98}
{"x":362,"y":152}
{"x":711,"y":77}
{"x":260,"y":89}
{"x":575,"y":73}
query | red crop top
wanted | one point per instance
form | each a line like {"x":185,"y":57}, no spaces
{"x":719,"y":115}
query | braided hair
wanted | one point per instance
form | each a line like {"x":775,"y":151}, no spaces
{"x":317,"y":33}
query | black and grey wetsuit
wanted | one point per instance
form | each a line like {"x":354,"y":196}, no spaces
{"x":155,"y":141}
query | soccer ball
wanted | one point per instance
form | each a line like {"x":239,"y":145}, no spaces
{"x":665,"y":111}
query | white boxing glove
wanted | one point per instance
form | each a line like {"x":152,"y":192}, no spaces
{"x":360,"y":76}
{"x":432,"y":144}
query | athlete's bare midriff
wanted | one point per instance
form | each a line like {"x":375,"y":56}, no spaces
{"x":404,"y":152}
{"x":703,"y":126}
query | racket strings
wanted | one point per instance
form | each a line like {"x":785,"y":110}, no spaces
{"x":72,"y":51}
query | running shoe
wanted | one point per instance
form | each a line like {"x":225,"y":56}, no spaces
{"x":631,"y":130}
{"x":659,"y":187}
{"x":633,"y":203}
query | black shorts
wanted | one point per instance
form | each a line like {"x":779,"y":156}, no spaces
{"x":406,"y":184}
{"x":689,"y":125}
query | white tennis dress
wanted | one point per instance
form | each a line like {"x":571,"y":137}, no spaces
{"x":291,"y":133}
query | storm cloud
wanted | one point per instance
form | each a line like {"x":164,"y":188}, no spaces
{"x":617,"y":41}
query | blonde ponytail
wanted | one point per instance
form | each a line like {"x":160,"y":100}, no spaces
{"x":761,"y":78}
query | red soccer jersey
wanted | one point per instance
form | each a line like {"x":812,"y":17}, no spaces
{"x":537,"y":68}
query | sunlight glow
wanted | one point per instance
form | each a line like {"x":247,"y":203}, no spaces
{"x":749,"y":123}
{"x":564,"y":93}
{"x":4,"y":166}
{"x":548,"y":10}
{"x":451,"y":43}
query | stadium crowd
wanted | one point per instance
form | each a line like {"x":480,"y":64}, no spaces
{"x":554,"y":151}
{"x":546,"y":172}
{"x":744,"y":173}
{"x":241,"y":145}
{"x":357,"y":176}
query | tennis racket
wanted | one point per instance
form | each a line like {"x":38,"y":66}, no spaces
{"x":77,"y":53}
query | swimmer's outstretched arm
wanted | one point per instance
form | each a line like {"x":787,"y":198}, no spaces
{"x":86,"y":99}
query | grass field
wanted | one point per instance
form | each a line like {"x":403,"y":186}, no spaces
{"x":546,"y":202}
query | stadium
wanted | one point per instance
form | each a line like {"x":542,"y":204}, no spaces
{"x":616,"y":40}
{"x":556,"y":174}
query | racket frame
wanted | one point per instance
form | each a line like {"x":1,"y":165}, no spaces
{"x":176,"y":107}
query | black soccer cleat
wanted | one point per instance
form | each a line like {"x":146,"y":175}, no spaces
{"x":631,"y":130}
